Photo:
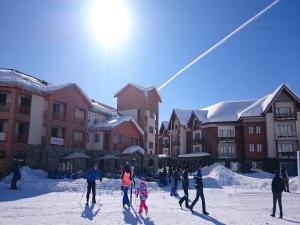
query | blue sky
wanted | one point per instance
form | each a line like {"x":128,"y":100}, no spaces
{"x":52,"y":39}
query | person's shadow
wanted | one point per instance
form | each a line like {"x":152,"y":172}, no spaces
{"x":88,"y":212}
{"x":208,"y":218}
{"x":130,"y":218}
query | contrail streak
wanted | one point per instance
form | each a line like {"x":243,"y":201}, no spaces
{"x":202,"y":55}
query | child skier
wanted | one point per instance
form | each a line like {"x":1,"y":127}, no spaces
{"x":142,"y":191}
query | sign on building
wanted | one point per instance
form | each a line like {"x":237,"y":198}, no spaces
{"x":2,"y":136}
{"x":56,"y":141}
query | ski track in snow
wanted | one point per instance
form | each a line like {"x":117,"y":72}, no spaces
{"x":231,"y":198}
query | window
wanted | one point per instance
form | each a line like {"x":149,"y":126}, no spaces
{"x":24,"y":105}
{"x":285,"y":130}
{"x":2,"y":98}
{"x":106,"y":139}
{"x":257,"y":130}
{"x":285,"y":147}
{"x":79,"y":115}
{"x":151,"y":130}
{"x":57,"y":132}
{"x":22,"y":132}
{"x":227,"y":149}
{"x":226,"y":133}
{"x":259,"y":147}
{"x":251,"y":147}
{"x":131,"y":140}
{"x":78,"y":138}
{"x":150,"y":145}
{"x":283,"y":111}
{"x":250,"y":129}
{"x":197,"y":136}
{"x":119,"y":139}
{"x":96,"y":138}
{"x":58,"y":111}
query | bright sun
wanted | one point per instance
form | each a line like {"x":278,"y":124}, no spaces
{"x":109,"y":20}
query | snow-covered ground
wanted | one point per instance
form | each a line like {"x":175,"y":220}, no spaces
{"x":231,"y":199}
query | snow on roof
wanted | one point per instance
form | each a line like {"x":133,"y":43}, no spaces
{"x":114,"y":122}
{"x":77,"y":155}
{"x":225,"y":111}
{"x":99,"y":107}
{"x":165,"y":123}
{"x":133,"y":149}
{"x":183,"y":115}
{"x":193,"y":155}
{"x":144,"y":89}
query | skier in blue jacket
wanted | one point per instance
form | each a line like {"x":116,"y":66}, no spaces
{"x":92,"y":175}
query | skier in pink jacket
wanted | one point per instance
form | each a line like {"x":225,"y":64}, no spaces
{"x":143,"y":193}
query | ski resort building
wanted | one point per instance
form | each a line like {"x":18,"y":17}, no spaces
{"x":36,"y":112}
{"x":243,"y":135}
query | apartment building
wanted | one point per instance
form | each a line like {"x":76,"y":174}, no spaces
{"x":164,"y":139}
{"x":243,"y":135}
{"x":142,"y":104}
{"x":33,"y":111}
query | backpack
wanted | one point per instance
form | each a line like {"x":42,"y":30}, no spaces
{"x":126,"y":179}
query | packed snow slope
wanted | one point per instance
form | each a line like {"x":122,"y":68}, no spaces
{"x":231,"y":199}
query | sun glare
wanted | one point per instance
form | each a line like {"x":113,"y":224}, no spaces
{"x":109,"y":21}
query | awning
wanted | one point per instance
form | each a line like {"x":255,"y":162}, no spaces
{"x":77,"y":155}
{"x":107,"y":157}
{"x":133,"y":149}
{"x":162,"y":156}
{"x":194,"y":155}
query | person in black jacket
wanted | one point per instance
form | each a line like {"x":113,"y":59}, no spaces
{"x":199,"y":189}
{"x":16,"y":176}
{"x":277,"y":189}
{"x":185,"y":186}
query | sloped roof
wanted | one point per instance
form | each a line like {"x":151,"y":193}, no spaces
{"x":183,"y":115}
{"x":11,"y":77}
{"x":77,"y":155}
{"x":141,"y":88}
{"x":102,"y":108}
{"x":114,"y":122}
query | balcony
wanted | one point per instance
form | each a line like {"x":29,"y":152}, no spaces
{"x":78,"y":143}
{"x":79,"y":120}
{"x":165,"y":145}
{"x":58,"y":116}
{"x":287,"y":155}
{"x":196,"y":141}
{"x":24,"y":109}
{"x":285,"y":116}
{"x":227,"y":139}
{"x":4,"y":107}
{"x":293,"y":135}
{"x":227,"y":155}
{"x":22,"y":138}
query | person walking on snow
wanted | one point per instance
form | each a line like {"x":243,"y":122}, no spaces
{"x":199,"y":191}
{"x":185,"y":186}
{"x":285,"y":179}
{"x":126,"y":180}
{"x":277,"y":189}
{"x":92,"y":175}
{"x":143,"y":193}
{"x":16,"y":176}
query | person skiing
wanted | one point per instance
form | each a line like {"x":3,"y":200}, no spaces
{"x":126,"y":180}
{"x":174,"y":182}
{"x":199,"y":191}
{"x":185,"y":186}
{"x":16,"y":176}
{"x":143,"y":193}
{"x":285,"y":179}
{"x":170,"y":174}
{"x":277,"y":189}
{"x":92,"y":175}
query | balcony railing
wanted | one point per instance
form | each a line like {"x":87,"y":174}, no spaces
{"x":227,"y":155}
{"x":4,"y":107}
{"x":281,"y":116}
{"x":78,"y":143}
{"x":23,"y":109}
{"x":166,"y":145}
{"x":226,"y":139}
{"x":22,"y":138}
{"x":287,"y":154}
{"x":197,"y":141}
{"x":283,"y":136}
{"x":58,"y":116}
{"x":79,"y":120}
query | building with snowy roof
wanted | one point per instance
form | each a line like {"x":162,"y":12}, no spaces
{"x":243,"y":135}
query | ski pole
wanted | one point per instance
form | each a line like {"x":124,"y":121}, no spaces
{"x":99,"y":195}
{"x":83,"y":194}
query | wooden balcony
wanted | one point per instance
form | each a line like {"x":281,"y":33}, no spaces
{"x":24,"y":110}
{"x":78,"y":143}
{"x":4,"y":107}
{"x":227,"y":155}
{"x":196,"y":141}
{"x":285,"y":116}
{"x":58,"y":116}
{"x":22,"y":138}
{"x":287,"y":155}
{"x":226,"y":139}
